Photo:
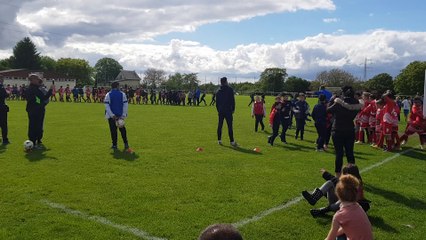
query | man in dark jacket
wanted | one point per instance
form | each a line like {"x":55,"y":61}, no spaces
{"x":4,"y":109}
{"x":36,"y":103}
{"x":343,"y":132}
{"x":225,"y":105}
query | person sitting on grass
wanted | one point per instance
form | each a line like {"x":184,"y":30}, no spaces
{"x":328,"y":190}
{"x":220,"y":232}
{"x":258,"y":111}
{"x":350,"y":222}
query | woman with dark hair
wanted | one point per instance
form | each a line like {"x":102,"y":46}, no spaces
{"x":343,"y":132}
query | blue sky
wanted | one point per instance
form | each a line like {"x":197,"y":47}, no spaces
{"x":218,"y":37}
{"x":353,"y":17}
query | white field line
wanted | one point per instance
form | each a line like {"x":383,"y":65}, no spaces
{"x":298,"y":199}
{"x":101,"y":220}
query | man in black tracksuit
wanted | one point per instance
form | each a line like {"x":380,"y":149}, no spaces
{"x":4,"y":109}
{"x":36,"y":103}
{"x":225,"y":105}
{"x":343,"y":129}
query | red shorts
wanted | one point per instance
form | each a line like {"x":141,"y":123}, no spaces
{"x":387,"y":128}
{"x":364,"y":121}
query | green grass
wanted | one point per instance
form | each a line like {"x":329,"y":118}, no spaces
{"x":169,"y":190}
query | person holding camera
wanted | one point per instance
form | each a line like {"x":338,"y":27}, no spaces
{"x":4,"y":109}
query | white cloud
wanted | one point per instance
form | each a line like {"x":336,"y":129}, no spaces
{"x":387,"y":49}
{"x":143,"y":20}
{"x":330,"y":20}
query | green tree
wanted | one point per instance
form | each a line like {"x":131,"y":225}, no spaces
{"x":190,"y":81}
{"x":335,"y":78}
{"x":78,"y":69}
{"x":6,"y":63}
{"x":272,"y":79}
{"x":26,"y":55}
{"x":411,"y":79}
{"x":296,"y":84}
{"x":106,"y":70}
{"x":154,"y":77}
{"x":174,"y":82}
{"x":380,"y":83}
{"x":47,"y":63}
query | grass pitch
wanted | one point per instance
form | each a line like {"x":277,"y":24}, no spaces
{"x":171,"y":191}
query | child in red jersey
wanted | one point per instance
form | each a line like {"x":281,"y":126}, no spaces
{"x":53,"y":92}
{"x":364,"y":117}
{"x":416,"y":123}
{"x":390,"y":121}
{"x":350,"y":220}
{"x":372,"y":122}
{"x":68,"y":93}
{"x":88,"y":94}
{"x":258,"y":112}
{"x":380,"y":137}
{"x":61,"y":93}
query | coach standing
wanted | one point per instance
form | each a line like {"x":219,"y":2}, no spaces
{"x":225,"y":105}
{"x":116,"y":107}
{"x":4,"y":109}
{"x":36,"y":108}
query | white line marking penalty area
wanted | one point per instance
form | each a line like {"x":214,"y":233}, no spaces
{"x":135,"y":231}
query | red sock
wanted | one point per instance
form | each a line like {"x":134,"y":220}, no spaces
{"x":389,"y":144}
{"x":395,"y":139}
{"x":381,"y":140}
{"x":361,"y":135}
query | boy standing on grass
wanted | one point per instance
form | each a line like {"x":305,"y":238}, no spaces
{"x":116,"y":107}
{"x":301,"y":112}
{"x":4,"y":109}
{"x":319,"y":114}
{"x":258,"y":111}
{"x":351,"y":219}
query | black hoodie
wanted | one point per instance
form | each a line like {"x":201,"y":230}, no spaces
{"x":225,"y":100}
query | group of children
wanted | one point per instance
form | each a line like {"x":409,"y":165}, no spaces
{"x":378,"y":121}
{"x":282,"y":112}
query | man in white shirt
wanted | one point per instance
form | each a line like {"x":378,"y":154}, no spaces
{"x":406,"y":106}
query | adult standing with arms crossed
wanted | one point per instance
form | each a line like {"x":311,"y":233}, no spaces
{"x":116,"y":108}
{"x":225,"y":105}
{"x":4,"y":109}
{"x":36,"y":108}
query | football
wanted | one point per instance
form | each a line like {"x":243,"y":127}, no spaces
{"x":120,"y":123}
{"x":28,"y":145}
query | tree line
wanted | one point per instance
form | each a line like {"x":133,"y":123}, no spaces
{"x":409,"y":81}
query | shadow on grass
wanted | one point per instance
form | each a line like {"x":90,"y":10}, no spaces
{"x":412,"y":203}
{"x":243,"y":150}
{"x":3,"y":148}
{"x":124,"y":155}
{"x":38,"y":155}
{"x":416,"y":154}
{"x":380,"y":223}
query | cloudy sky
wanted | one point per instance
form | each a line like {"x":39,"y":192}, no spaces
{"x":236,"y":38}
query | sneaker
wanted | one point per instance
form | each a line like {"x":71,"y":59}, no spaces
{"x":319,"y":150}
{"x":219,"y":142}
{"x":421,"y":147}
{"x":284,"y":141}
{"x":403,"y":142}
{"x":38,"y":147}
{"x":358,"y":142}
{"x":5,"y":142}
{"x":126,"y":146}
{"x":234,"y":144}
{"x":114,"y":147}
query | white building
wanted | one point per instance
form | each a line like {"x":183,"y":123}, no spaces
{"x":19,"y":77}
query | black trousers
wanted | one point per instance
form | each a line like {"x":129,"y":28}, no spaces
{"x":275,"y":130}
{"x":300,"y":127}
{"x":114,"y":134}
{"x":286,"y":123}
{"x":3,"y":124}
{"x":35,"y":126}
{"x":322,"y":135}
{"x":259,"y":120}
{"x":228,"y":117}
{"x":343,"y":144}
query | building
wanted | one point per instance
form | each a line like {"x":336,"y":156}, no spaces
{"x":19,"y":77}
{"x":129,"y":78}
